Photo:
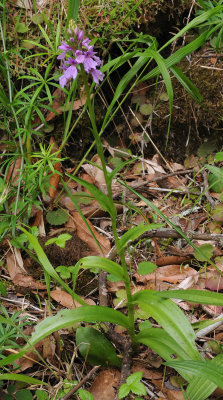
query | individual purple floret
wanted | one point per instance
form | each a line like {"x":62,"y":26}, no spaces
{"x":82,"y":53}
{"x":65,"y":47}
{"x":69,"y":72}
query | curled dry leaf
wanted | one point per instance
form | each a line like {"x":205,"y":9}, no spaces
{"x":105,"y":384}
{"x":65,"y":299}
{"x":169,"y":273}
{"x":168,"y":260}
{"x":18,"y":277}
{"x":85,"y":235}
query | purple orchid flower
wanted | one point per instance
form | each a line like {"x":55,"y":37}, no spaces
{"x":84,"y":55}
{"x":97,"y":75}
{"x":65,"y":47}
{"x":70,"y":72}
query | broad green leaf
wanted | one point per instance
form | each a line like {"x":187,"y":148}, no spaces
{"x":41,"y":394}
{"x":205,"y":369}
{"x":135,"y":377}
{"x":23,"y":394}
{"x":95,"y":347}
{"x":207,"y":252}
{"x":21,"y":27}
{"x":136,"y":231}
{"x":123,"y":391}
{"x":195,"y":296}
{"x":21,"y":378}
{"x":85,"y":395}
{"x":66,"y":319}
{"x":146,"y":267}
{"x":138,"y":388}
{"x":102,"y":263}
{"x":73,"y":8}
{"x":171,"y":318}
{"x":200,"y":388}
{"x":162,"y":343}
{"x":216,"y":178}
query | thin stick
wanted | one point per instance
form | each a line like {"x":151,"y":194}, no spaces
{"x":92,"y":371}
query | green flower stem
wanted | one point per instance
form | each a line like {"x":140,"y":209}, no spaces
{"x":113,"y":213}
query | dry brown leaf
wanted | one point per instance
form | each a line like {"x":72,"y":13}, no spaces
{"x":105,"y":384}
{"x":13,"y":266}
{"x":49,"y":347}
{"x":147,"y":373}
{"x":18,"y":277}
{"x":65,"y":299}
{"x":169,"y":273}
{"x":169,"y":393}
{"x":168,"y":260}
{"x":85,"y":235}
{"x":26,"y":281}
{"x":96,"y":173}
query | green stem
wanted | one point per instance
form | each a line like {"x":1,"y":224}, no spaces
{"x":113,"y":214}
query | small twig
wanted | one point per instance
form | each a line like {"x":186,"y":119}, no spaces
{"x":171,"y":233}
{"x":126,"y":364}
{"x":92,"y":371}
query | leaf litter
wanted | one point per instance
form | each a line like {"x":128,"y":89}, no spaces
{"x":178,"y":265}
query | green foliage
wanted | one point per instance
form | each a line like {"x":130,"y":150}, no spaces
{"x":207,"y":252}
{"x":65,"y":272}
{"x":214,"y":23}
{"x":10,"y":330}
{"x":133,"y":385}
{"x":58,"y":217}
{"x":146,"y":267}
{"x":215,"y":179}
{"x":96,"y":348}
{"x":59,"y":240}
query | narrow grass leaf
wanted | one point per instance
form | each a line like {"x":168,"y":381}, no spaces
{"x":21,"y":378}
{"x":187,"y":84}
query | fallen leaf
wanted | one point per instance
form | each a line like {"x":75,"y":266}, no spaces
{"x":85,"y":235}
{"x":168,"y":260}
{"x":169,"y":393}
{"x":65,"y":299}
{"x":105,"y":384}
{"x":26,"y":281}
{"x":169,"y":273}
